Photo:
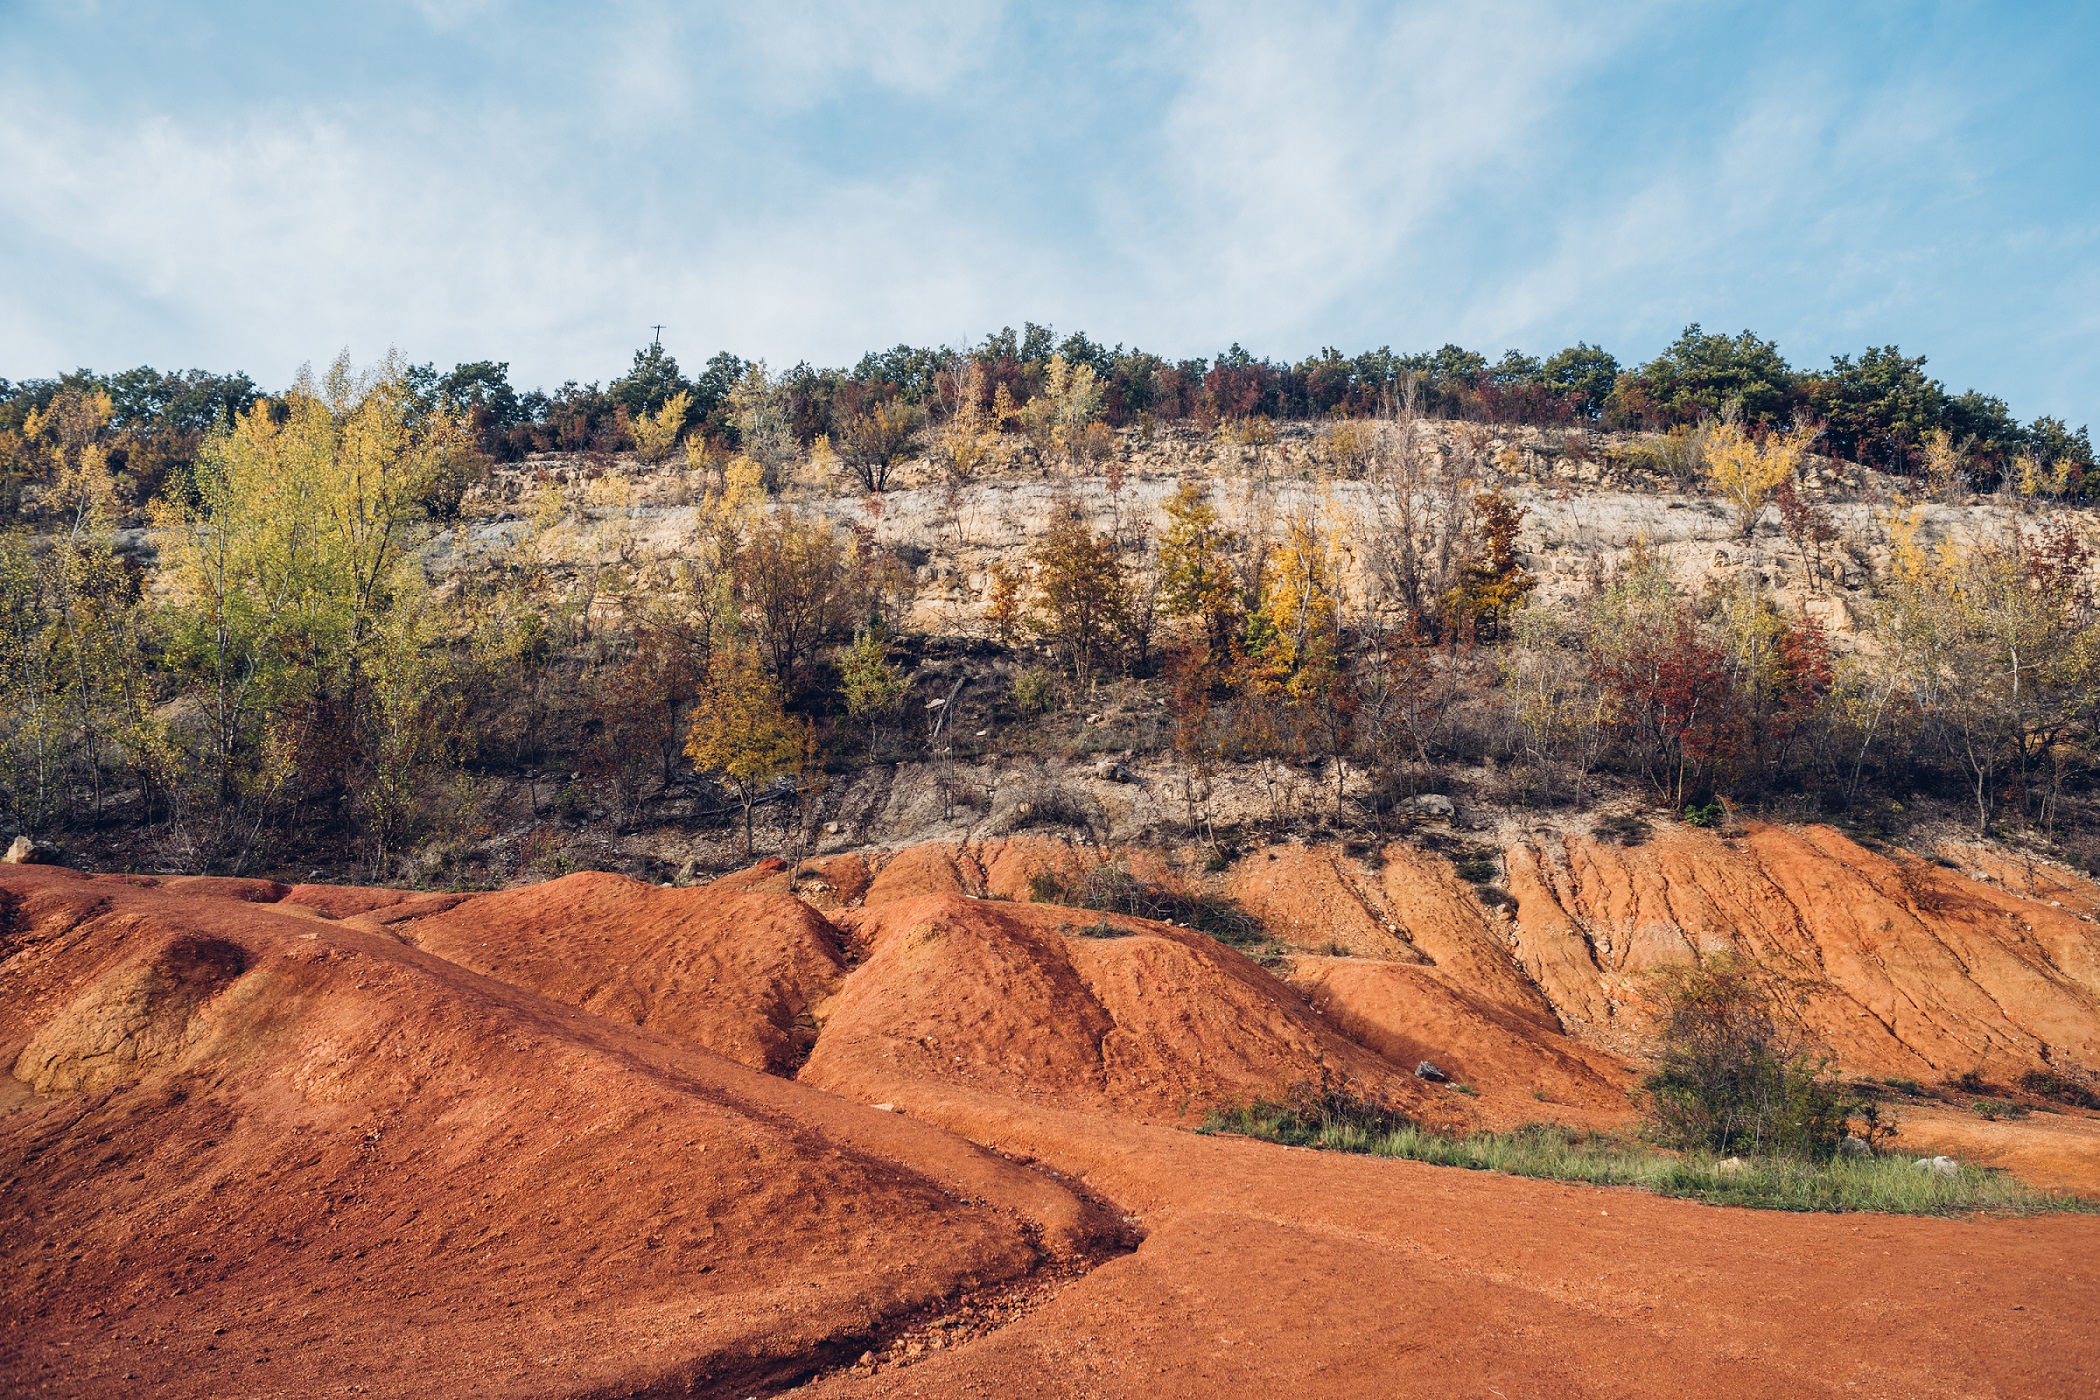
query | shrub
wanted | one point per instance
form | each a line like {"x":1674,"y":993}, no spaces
{"x":1034,"y":691}
{"x":1626,"y":829}
{"x":1733,"y":1075}
{"x":2048,"y":1084}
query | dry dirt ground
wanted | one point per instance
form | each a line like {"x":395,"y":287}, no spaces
{"x":903,"y":1132}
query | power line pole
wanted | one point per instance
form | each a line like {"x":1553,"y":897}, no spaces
{"x":659,"y":334}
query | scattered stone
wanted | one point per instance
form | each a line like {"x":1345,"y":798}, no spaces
{"x":1112,"y":772}
{"x":1731,"y":1165}
{"x":24,"y":851}
{"x":1938,"y":1166}
{"x":1430,"y":1072}
{"x":831,"y":828}
{"x":1854,"y":1147}
{"x":1433,"y":804}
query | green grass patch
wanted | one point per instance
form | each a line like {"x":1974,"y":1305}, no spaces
{"x":1336,"y":1122}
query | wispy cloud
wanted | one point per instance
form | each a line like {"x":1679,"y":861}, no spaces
{"x":496,"y":177}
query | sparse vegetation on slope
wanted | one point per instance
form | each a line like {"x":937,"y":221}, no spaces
{"x":332,"y":628}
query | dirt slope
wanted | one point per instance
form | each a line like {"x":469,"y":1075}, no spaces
{"x":736,"y":970}
{"x":267,"y":1140}
{"x":1269,"y":1271}
{"x":1409,"y":1014}
{"x":1156,"y":1023}
{"x":248,"y":1151}
{"x":1920,"y":970}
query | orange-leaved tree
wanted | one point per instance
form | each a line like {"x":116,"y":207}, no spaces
{"x":742,"y":730}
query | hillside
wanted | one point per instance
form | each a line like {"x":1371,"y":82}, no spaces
{"x":921,"y":1131}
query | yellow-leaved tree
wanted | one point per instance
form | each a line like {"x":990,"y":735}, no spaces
{"x":1996,"y":646}
{"x":1069,"y":402}
{"x":1196,"y":576}
{"x":741,"y":729}
{"x":656,"y":434}
{"x":1747,"y":470}
{"x":289,"y":586}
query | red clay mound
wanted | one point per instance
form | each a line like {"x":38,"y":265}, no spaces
{"x":219,"y":886}
{"x":932,"y":867}
{"x":1157,"y":1023}
{"x":826,"y":882}
{"x":381,"y":905}
{"x":248,"y":1152}
{"x":1012,"y":865}
{"x":1415,"y":909}
{"x":1410,"y":1014}
{"x":1308,"y":897}
{"x":740,"y":972}
{"x":1002,"y":869}
{"x":1922,"y":971}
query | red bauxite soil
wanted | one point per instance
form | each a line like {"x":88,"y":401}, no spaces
{"x":597,"y":1138}
{"x":248,"y":1153}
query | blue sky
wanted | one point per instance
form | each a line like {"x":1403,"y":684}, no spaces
{"x":255,"y":185}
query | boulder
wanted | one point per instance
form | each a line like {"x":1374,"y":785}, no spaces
{"x":25,"y":851}
{"x":1433,"y":804}
{"x":1430,"y":1072}
{"x":1938,"y":1166}
{"x":1854,"y":1147}
{"x":1729,"y":1166}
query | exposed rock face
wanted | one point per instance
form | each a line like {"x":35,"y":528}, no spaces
{"x":25,"y":851}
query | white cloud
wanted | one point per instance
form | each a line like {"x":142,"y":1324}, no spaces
{"x":1341,"y":174}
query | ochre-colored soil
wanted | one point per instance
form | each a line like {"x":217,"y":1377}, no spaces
{"x":263,"y":1154}
{"x":595,"y":1137}
{"x":735,"y":970}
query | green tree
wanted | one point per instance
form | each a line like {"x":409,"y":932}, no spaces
{"x":650,"y":383}
{"x":1878,"y":408}
{"x":1584,"y":371}
{"x":870,"y":684}
{"x":1196,"y":576}
{"x":1699,"y":374}
{"x":741,"y":730}
{"x":1082,"y":603}
{"x":284,"y":567}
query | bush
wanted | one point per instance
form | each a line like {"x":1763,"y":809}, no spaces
{"x":1034,"y":691}
{"x":1732,"y":1075}
{"x":2048,"y":1084}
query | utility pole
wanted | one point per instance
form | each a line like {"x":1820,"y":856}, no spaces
{"x":659,"y":335}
